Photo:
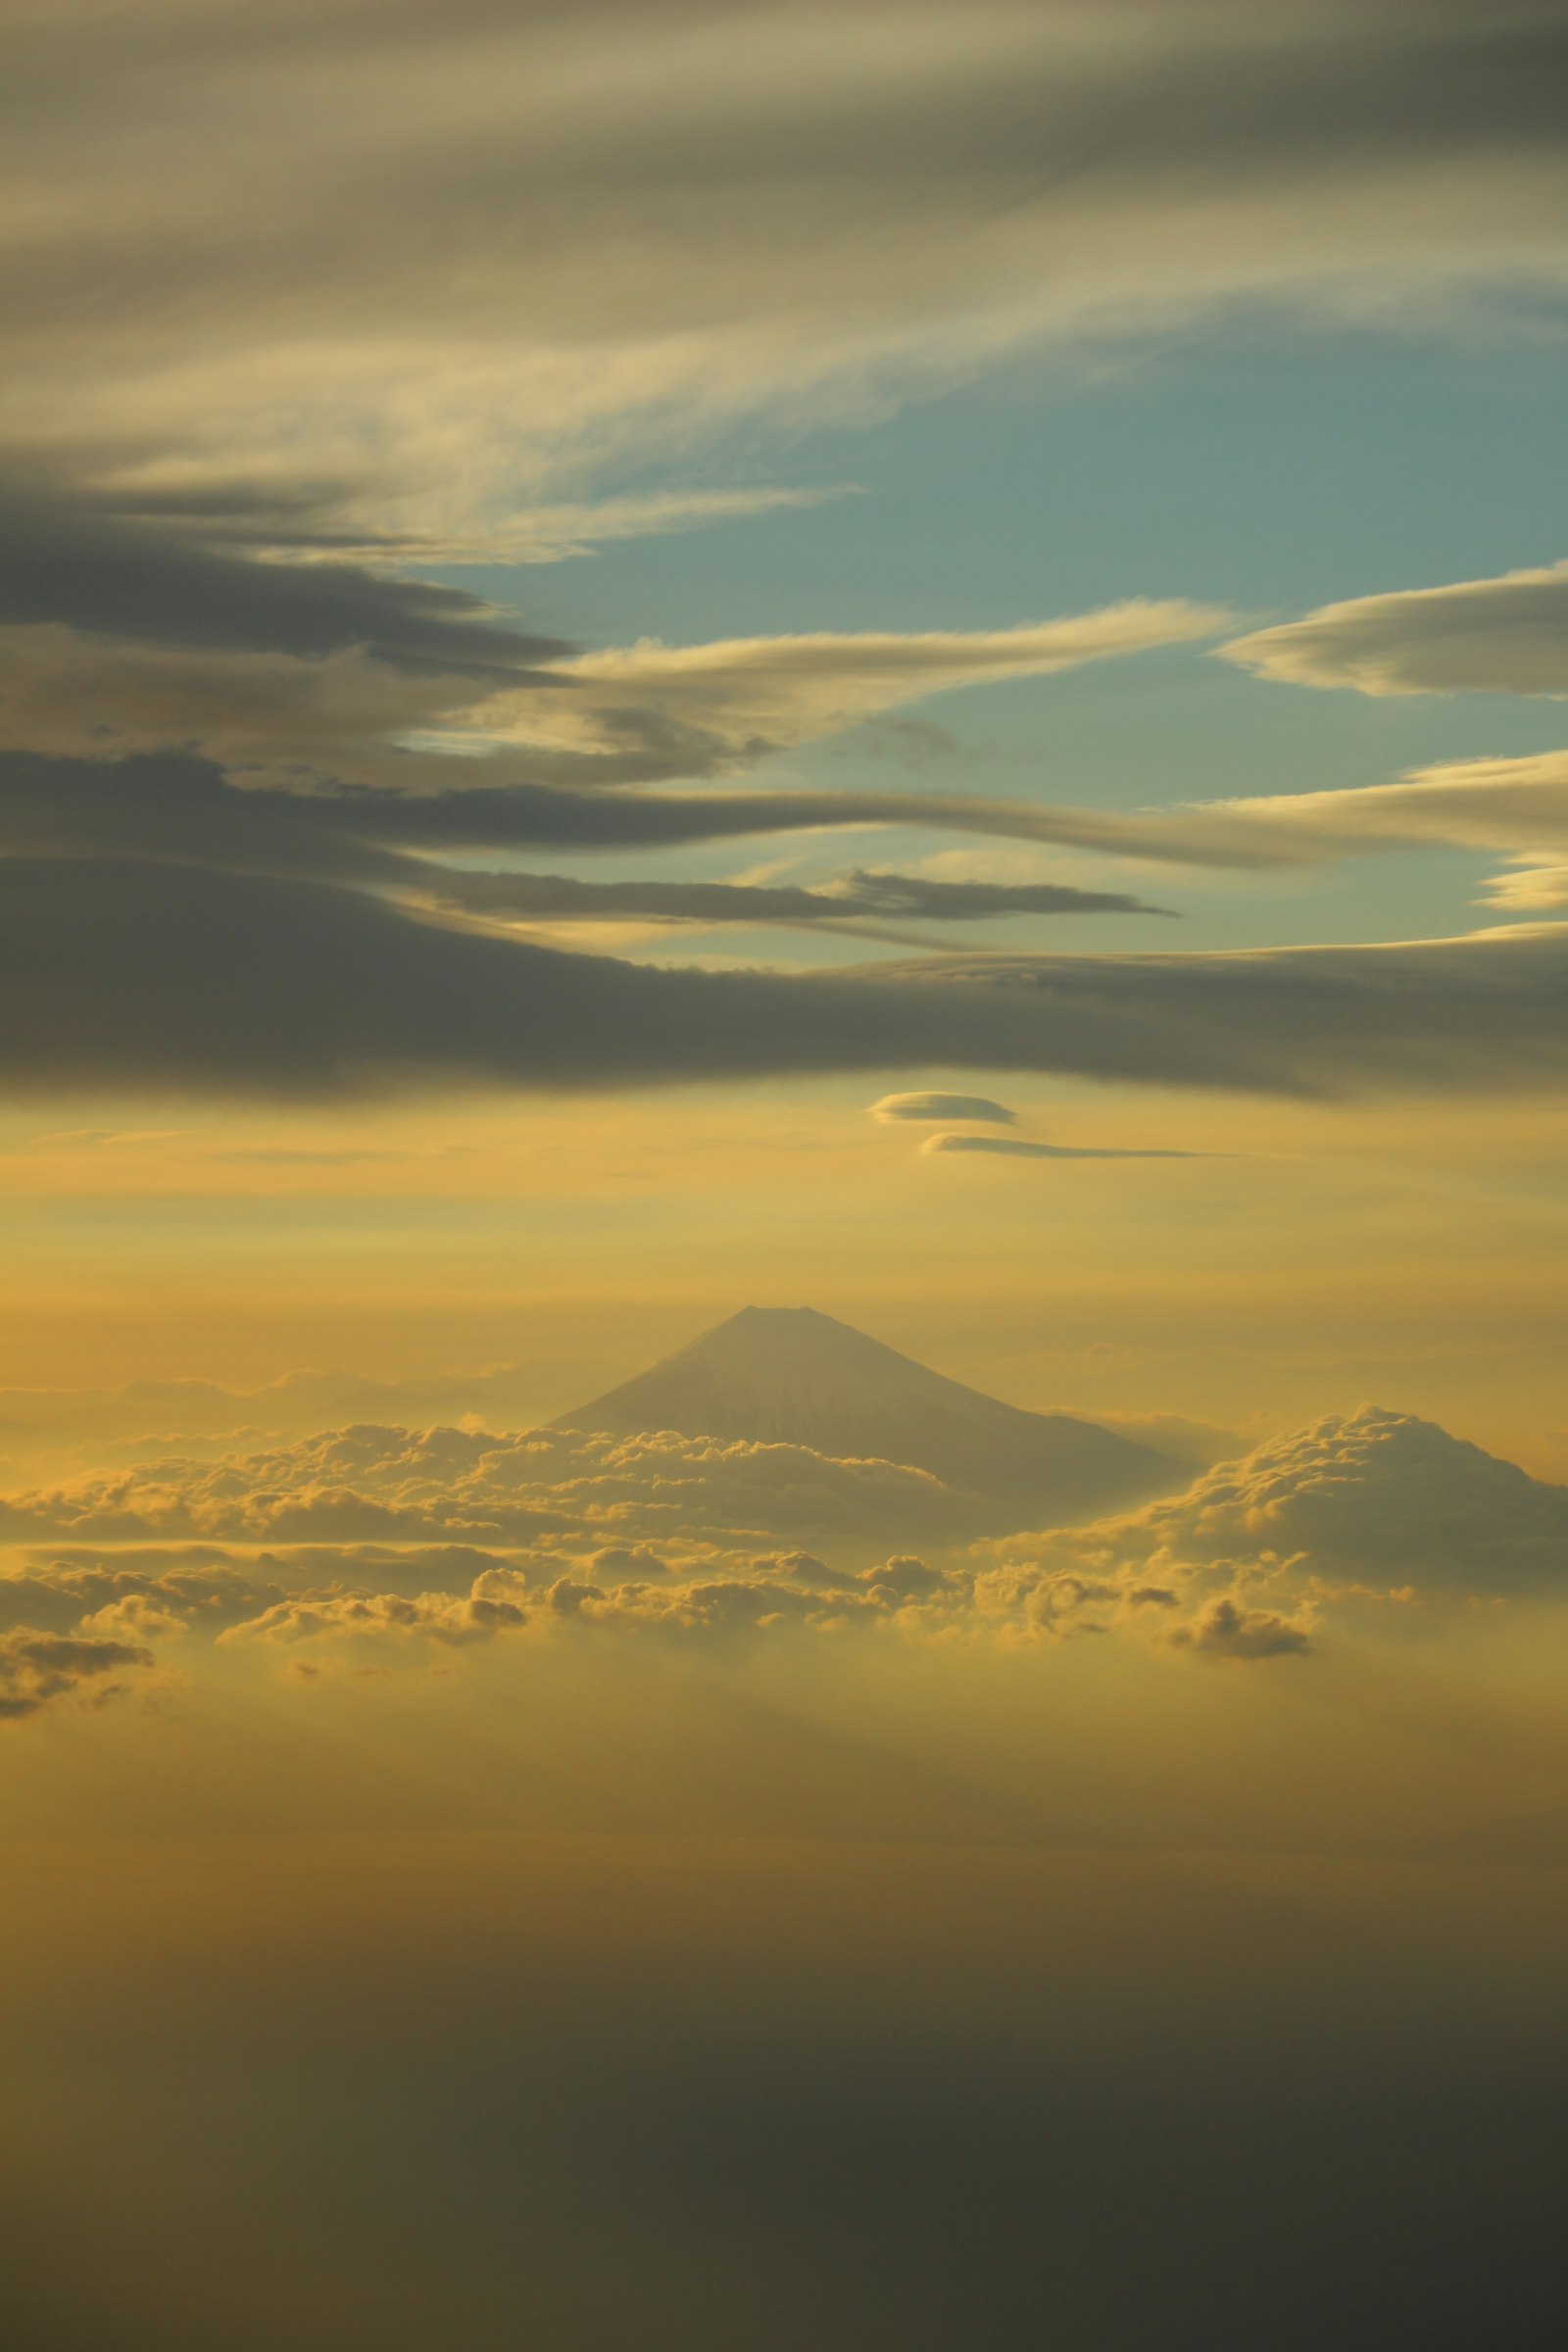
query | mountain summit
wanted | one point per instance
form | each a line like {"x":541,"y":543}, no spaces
{"x":787,"y":1375}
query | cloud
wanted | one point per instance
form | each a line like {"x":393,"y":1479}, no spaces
{"x":446,"y":1537}
{"x":1502,"y":636}
{"x":176,"y":807}
{"x":1372,"y":1496}
{"x":124,"y":975}
{"x":64,"y":1595}
{"x":1017,"y":1147}
{"x":114,"y":634}
{"x":725,"y":703}
{"x":616,"y":1592}
{"x":554,"y":1491}
{"x":333,"y":672}
{"x":893,"y":1107}
{"x":858,"y":901}
{"x":39,"y":1668}
{"x":1223,"y":1629}
{"x":551,"y":534}
{"x":919,"y":897}
{"x":1515,"y":808}
{"x":493,"y":1605}
{"x":173,"y":807}
{"x":63,"y":564}
{"x":666,"y":225}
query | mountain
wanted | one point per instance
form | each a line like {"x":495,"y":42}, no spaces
{"x":790,"y":1376}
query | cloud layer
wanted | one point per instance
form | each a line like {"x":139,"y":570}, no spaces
{"x":547,"y":1488}
{"x":124,"y":975}
{"x":665,"y":224}
{"x":438,"y":1540}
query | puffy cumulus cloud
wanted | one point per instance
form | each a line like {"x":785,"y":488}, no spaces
{"x":1224,"y":1629}
{"x":732,"y":1596}
{"x":553,"y":1489}
{"x":1017,"y":1147}
{"x":680,"y":1588}
{"x":925,"y":1107}
{"x":124,"y":975}
{"x":493,"y":1605}
{"x":723,"y":703}
{"x":36,"y":1669}
{"x":670,"y":216}
{"x":1372,"y":1499}
{"x":163,"y":1593}
{"x":1369,"y":1512}
{"x":1502,"y":636}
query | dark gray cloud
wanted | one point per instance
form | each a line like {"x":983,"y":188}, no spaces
{"x":542,"y":815}
{"x":859,"y":898}
{"x":173,"y":807}
{"x":66,"y":562}
{"x":914,"y":895}
{"x":124,"y":975}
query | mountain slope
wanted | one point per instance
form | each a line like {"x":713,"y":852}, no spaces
{"x":788,"y":1375}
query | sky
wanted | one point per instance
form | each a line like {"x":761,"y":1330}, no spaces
{"x":899,"y":659}
{"x":488,"y":490}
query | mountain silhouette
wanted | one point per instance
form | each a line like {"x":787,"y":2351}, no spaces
{"x":791,"y":1376}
